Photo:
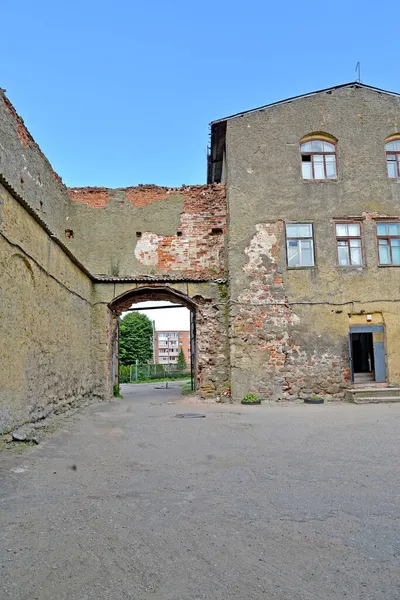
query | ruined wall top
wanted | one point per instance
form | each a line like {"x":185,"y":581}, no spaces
{"x":145,"y":230}
{"x":26,"y":170}
{"x":149,"y":230}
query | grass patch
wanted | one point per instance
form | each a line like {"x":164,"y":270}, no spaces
{"x":20,"y":447}
{"x":186,"y":388}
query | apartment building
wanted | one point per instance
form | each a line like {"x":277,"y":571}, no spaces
{"x":168,"y":344}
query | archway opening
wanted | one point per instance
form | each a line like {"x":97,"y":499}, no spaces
{"x":154,"y":336}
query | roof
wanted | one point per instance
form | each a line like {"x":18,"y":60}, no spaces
{"x":356,"y":84}
{"x":157,"y":279}
{"x":218,"y":128}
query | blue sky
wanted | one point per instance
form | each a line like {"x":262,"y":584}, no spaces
{"x":120,"y":93}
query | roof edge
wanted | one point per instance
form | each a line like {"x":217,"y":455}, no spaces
{"x":335,"y":87}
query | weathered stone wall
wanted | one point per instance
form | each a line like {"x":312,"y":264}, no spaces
{"x":58,"y":335}
{"x":45,"y":323}
{"x":157,"y":232}
{"x":149,"y":230}
{"x":289,"y":328}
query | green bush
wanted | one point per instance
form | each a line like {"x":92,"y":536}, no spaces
{"x":124,"y":373}
{"x":249,"y":398}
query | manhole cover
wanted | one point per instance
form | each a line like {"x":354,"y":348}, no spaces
{"x":190,"y":416}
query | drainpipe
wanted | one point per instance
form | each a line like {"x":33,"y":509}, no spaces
{"x":154,"y":342}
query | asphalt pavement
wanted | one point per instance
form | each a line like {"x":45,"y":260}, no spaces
{"x":274,"y":502}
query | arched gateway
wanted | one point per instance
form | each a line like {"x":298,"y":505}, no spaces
{"x":207,"y":304}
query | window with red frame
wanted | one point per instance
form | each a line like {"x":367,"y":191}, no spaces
{"x":348,"y":242}
{"x":393,"y":159}
{"x":388,"y":243}
{"x":318,"y":159}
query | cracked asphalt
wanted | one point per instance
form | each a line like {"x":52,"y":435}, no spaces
{"x":283,"y":502}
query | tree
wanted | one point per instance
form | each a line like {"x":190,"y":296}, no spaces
{"x":181,"y":362}
{"x":135,"y":339}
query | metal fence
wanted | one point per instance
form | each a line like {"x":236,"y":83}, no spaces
{"x":148,"y":372}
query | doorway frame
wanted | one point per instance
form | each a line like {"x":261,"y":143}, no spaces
{"x":378,"y":351}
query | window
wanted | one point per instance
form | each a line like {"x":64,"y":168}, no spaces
{"x":388,"y":243}
{"x":348,"y":241}
{"x":300,"y":245}
{"x":318,"y":159}
{"x":393,"y":158}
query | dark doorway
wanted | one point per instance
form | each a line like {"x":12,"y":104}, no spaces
{"x":363,"y":357}
{"x":367,"y":353}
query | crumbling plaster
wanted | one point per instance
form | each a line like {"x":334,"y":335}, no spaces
{"x":307,"y":342}
{"x":150,"y":230}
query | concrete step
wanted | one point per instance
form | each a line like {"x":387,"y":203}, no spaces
{"x":364,"y":377}
{"x":373,"y":395}
{"x":375,"y":399}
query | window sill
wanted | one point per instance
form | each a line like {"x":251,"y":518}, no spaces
{"x":320,"y":180}
{"x":351,"y":267}
{"x":388,"y":266}
{"x":300,"y":268}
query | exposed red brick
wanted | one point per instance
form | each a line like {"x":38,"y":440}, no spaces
{"x":95,"y":197}
{"x":146,"y":194}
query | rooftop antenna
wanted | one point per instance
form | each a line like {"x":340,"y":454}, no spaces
{"x":358,"y":69}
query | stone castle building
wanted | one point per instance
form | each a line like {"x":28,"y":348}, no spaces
{"x":287,"y":259}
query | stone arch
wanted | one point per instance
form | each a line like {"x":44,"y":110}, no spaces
{"x":143,"y":294}
{"x":151,"y":292}
{"x":208,"y":303}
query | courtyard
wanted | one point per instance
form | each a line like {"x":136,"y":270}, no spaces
{"x":278,"y":501}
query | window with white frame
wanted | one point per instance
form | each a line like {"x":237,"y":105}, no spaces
{"x":388,"y":243}
{"x":300,"y":244}
{"x":348,"y":243}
